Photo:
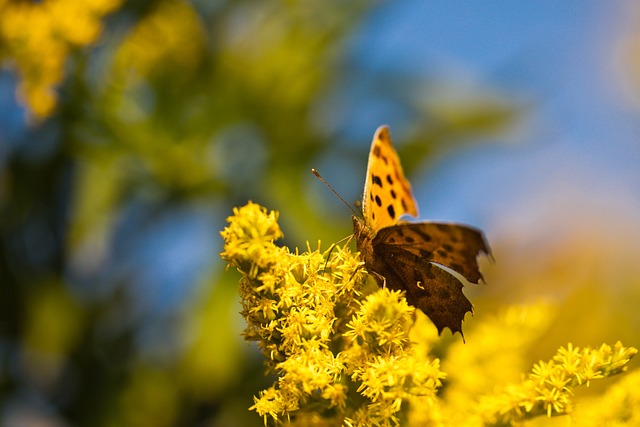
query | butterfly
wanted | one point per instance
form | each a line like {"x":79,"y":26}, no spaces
{"x":410,"y":256}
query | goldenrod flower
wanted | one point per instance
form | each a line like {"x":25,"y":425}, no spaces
{"x":325,"y":346}
{"x":549,"y":387}
{"x":347,"y":355}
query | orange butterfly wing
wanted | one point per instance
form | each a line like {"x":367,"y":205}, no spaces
{"x":387,"y":193}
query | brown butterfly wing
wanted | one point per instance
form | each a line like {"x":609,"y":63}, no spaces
{"x":404,"y":255}
{"x":453,"y":245}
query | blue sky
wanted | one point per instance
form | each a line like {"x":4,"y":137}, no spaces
{"x":577,"y":150}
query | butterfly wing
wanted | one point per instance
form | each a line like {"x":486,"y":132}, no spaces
{"x":431,"y":289}
{"x":453,"y":245}
{"x":387,"y":193}
{"x":404,"y":255}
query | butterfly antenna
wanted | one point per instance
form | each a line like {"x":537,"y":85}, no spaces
{"x":315,"y":172}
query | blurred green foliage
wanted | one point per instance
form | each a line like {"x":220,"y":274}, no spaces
{"x":148,"y":111}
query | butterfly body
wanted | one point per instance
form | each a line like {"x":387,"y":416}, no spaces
{"x":409,"y":256}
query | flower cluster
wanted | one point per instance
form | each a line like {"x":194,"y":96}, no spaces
{"x":350,"y":362}
{"x":380,"y":357}
{"x":549,"y":387}
{"x":346,"y":353}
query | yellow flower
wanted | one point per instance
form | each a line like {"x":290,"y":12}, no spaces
{"x":291,"y":304}
{"x":36,"y":38}
{"x":343,"y":356}
{"x":549,"y":387}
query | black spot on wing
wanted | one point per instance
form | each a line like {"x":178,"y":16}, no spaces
{"x":456,"y":267}
{"x":376,"y":151}
{"x":375,"y":179}
{"x":444,"y":293}
{"x":429,"y":272}
{"x":417,"y":276}
{"x":426,"y":254}
{"x":423,"y":234}
{"x":391,"y":211}
{"x":378,"y":201}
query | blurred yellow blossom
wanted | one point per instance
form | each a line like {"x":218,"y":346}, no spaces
{"x":496,"y":351}
{"x":548,"y":390}
{"x":36,"y":38}
{"x":620,"y":405}
{"x":171,"y":34}
{"x":345,"y":354}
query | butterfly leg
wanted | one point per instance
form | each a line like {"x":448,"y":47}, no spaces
{"x":382,"y":281}
{"x":333,"y":246}
{"x":355,"y":271}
